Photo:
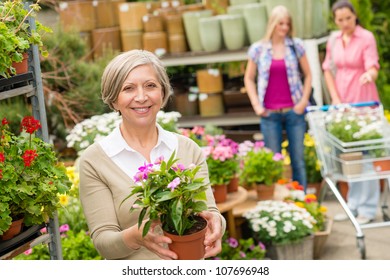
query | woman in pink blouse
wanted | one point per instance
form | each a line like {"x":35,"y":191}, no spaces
{"x":351,"y":68}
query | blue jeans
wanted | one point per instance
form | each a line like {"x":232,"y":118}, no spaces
{"x":295,"y":125}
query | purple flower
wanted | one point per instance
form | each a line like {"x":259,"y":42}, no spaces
{"x":172,"y":185}
{"x":242,"y":254}
{"x":143,"y":172}
{"x":232,"y":242}
{"x":159,"y":160}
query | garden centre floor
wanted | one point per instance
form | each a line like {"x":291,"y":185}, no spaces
{"x":341,"y":243}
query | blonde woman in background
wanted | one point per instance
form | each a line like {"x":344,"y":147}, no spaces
{"x":278,"y":96}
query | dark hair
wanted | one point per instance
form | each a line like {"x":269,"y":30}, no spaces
{"x":344,"y":4}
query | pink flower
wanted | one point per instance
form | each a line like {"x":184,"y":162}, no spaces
{"x":64,"y":228}
{"x":28,"y":252}
{"x":159,"y":160}
{"x":277,"y":157}
{"x":43,"y":230}
{"x":232,"y":242}
{"x":172,"y":185}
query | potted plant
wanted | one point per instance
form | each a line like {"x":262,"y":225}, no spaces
{"x":174,"y":195}
{"x":223,"y":165}
{"x":17,"y":34}
{"x":285,"y":229}
{"x":242,"y":249}
{"x":323,"y":225}
{"x":31,"y":176}
{"x":260,"y":168}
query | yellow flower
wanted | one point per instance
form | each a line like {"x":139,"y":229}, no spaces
{"x":308,"y":141}
{"x":323,"y":209}
{"x":300,"y":204}
{"x":64,"y":200}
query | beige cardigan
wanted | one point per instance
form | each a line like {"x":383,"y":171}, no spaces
{"x":103,"y":186}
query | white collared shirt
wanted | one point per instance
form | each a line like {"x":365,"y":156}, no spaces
{"x":128,"y":159}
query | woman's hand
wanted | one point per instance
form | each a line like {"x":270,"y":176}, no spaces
{"x":214,"y":233}
{"x":154,"y":241}
{"x":365,"y":78}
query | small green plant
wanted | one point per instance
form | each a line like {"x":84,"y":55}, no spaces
{"x":169,"y":192}
{"x":260,"y":165}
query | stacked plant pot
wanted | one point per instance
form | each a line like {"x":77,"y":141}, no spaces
{"x":131,"y":24}
{"x":210,"y":85}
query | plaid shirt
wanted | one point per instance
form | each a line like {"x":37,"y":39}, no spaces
{"x":261,"y":54}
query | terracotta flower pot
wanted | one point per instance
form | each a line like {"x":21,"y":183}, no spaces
{"x":15,"y":229}
{"x":233,"y":185}
{"x":265,"y":192}
{"x":382,"y":165}
{"x":220,"y":193}
{"x":189,"y":247}
{"x":21,"y":67}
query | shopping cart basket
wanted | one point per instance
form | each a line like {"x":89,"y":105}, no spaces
{"x":350,"y":160}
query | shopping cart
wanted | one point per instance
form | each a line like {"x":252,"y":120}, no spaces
{"x":352,"y":161}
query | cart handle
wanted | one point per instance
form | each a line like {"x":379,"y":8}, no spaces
{"x":327,"y":107}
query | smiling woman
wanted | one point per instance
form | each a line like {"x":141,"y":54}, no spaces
{"x":135,"y":84}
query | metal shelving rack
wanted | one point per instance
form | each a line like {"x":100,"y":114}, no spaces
{"x":30,"y":85}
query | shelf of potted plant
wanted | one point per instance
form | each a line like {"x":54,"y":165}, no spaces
{"x":16,"y":29}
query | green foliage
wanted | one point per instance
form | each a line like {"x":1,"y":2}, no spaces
{"x":221,"y":172}
{"x":170,"y":193}
{"x":75,"y":246}
{"x":16,"y":35}
{"x":30,"y":175}
{"x":261,"y":166}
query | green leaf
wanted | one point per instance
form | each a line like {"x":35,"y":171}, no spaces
{"x":177,"y":212}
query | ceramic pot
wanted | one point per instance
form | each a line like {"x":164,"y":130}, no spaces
{"x":233,"y":31}
{"x":191,"y":27}
{"x":210,"y":33}
{"x":188,"y":247}
{"x":256,"y":18}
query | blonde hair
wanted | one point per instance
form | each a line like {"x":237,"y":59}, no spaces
{"x":118,"y":69}
{"x":277,"y":14}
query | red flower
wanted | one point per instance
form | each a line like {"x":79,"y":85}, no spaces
{"x":28,"y":157}
{"x":1,"y":174}
{"x":2,"y":157}
{"x":4,"y":121}
{"x":30,"y":124}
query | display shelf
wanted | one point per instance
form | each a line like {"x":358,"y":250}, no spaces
{"x":23,"y":241}
{"x":228,"y":119}
{"x":193,"y":58}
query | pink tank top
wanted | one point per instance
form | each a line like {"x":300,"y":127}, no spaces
{"x":278,"y":94}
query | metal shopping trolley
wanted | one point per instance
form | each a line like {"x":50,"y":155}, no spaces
{"x":349,"y":160}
